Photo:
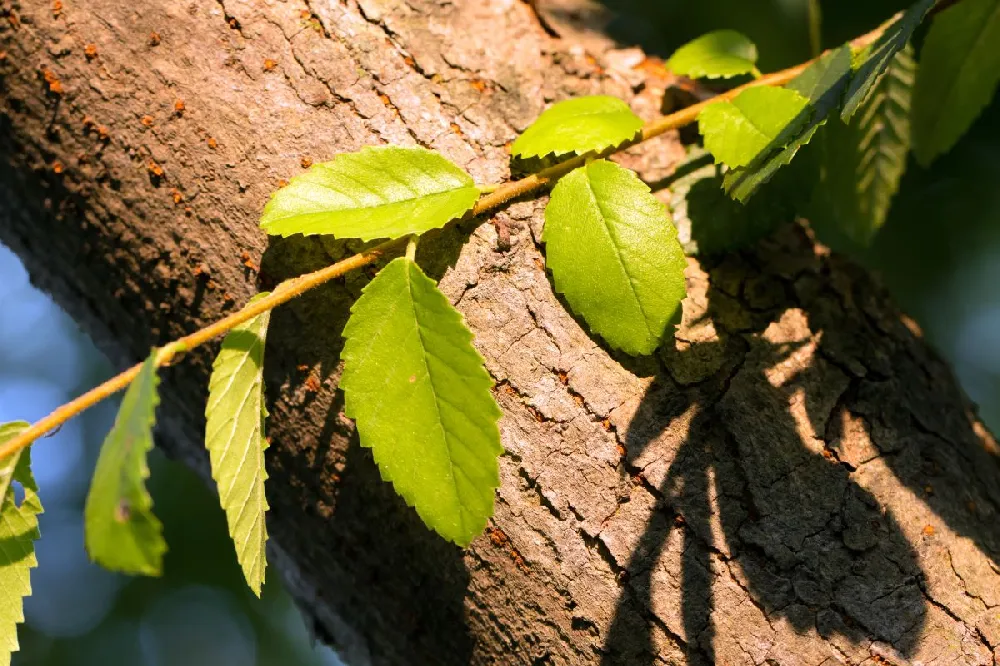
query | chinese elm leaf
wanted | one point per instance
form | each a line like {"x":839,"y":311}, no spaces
{"x":709,"y":222}
{"x":880,"y":54}
{"x":614,"y":254}
{"x":743,"y":182}
{"x":121,"y":532}
{"x":718,"y":54}
{"x":959,"y":73}
{"x":757,"y":120}
{"x":234,"y":436}
{"x":579,"y":125}
{"x":380,"y":192}
{"x":863,"y":161}
{"x":420,"y":395}
{"x":18,"y":533}
{"x":822,"y":84}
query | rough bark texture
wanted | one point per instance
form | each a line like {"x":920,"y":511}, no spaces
{"x":795,"y":480}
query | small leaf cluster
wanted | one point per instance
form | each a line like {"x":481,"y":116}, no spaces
{"x":415,"y":385}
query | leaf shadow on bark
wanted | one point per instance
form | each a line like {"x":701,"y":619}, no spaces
{"x":754,"y":489}
{"x":324,"y":474}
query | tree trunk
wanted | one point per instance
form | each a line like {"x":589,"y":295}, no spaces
{"x":797,"y":479}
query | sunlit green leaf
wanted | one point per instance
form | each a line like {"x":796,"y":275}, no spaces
{"x":421,"y":398}
{"x":121,"y":532}
{"x":18,"y":533}
{"x":234,"y":436}
{"x":614,"y":254}
{"x":822,"y":83}
{"x":579,"y":125}
{"x":862,"y":162}
{"x":380,"y":192}
{"x":758,"y":120}
{"x":718,"y":54}
{"x":880,"y":54}
{"x":959,"y":73}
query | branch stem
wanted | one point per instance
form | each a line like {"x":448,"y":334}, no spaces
{"x":494,"y":197}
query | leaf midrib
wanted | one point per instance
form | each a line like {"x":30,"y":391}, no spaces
{"x":614,"y":244}
{"x":434,"y":389}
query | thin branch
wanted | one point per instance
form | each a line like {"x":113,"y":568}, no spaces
{"x":493,"y":197}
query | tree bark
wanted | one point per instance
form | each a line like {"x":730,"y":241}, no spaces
{"x":796,"y":479}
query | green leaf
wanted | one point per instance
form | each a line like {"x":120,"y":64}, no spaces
{"x":959,"y":74}
{"x":880,"y":54}
{"x":121,"y":532}
{"x":757,"y":120}
{"x":862,"y":162}
{"x":822,"y":84}
{"x":824,"y":81}
{"x":716,"y":55}
{"x":234,"y":436}
{"x":579,"y":125}
{"x":18,"y":533}
{"x":421,"y":398}
{"x":709,"y":222}
{"x":380,"y":192}
{"x":614,"y":254}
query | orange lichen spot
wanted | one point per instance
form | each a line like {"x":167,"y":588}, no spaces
{"x":410,"y":62}
{"x":479,"y":85}
{"x":651,"y":66}
{"x":302,"y":367}
{"x":88,"y":123}
{"x":57,"y":8}
{"x":201,"y":271}
{"x":312,"y":383}
{"x":228,"y":298}
{"x":147,"y":121}
{"x":188,"y":211}
{"x":282,"y":182}
{"x":52,"y":81}
{"x":212,"y":143}
{"x":154,"y":39}
{"x":154,"y":169}
{"x":179,"y":107}
{"x":57,"y":168}
{"x":90,"y":50}
{"x":270,"y":64}
{"x":606,"y":424}
{"x":102,"y":133}
{"x":563,"y":377}
{"x":306,"y":162}
{"x":176,"y":196}
{"x":928,"y":530}
{"x":502,"y":541}
{"x":305,"y":14}
{"x":15,"y":22}
{"x":456,"y":129}
{"x":828,"y":454}
{"x":248,"y":261}
{"x":233,"y":23}
{"x":3,"y":56}
{"x":621,"y":450}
